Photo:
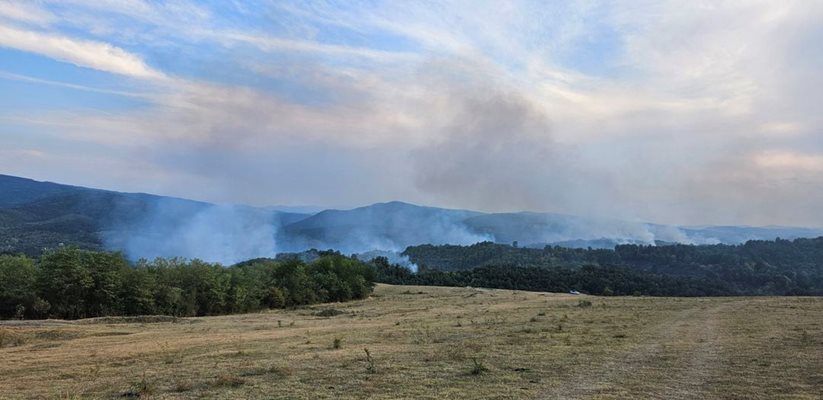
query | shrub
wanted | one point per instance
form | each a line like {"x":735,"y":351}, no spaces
{"x":370,"y":368}
{"x":477,"y":367}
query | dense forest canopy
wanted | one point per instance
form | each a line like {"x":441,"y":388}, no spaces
{"x":759,"y":267}
{"x":73,"y":283}
{"x":587,"y":279}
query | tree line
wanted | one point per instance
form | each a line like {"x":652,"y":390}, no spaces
{"x":587,"y":279}
{"x":72,"y":283}
{"x":758,"y":267}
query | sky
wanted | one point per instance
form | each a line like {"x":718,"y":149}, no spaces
{"x":684,"y":112}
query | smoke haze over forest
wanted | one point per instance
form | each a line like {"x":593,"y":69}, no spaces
{"x":669,"y":112}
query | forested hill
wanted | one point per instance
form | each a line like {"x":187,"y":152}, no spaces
{"x":16,"y":191}
{"x":35,"y":216}
{"x":756,"y":267}
{"x":39,"y":215}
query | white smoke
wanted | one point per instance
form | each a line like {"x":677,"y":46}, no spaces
{"x":394,"y":257}
{"x":214,"y":233}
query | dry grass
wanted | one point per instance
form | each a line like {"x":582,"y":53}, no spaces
{"x":436,"y":343}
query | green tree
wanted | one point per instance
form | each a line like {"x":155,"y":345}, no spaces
{"x":64,"y":281}
{"x":138,"y":290}
{"x":17,"y":286}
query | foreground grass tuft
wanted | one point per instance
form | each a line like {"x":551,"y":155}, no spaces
{"x":370,"y":368}
{"x":478,"y":367}
{"x":228,"y":380}
{"x":142,"y":388}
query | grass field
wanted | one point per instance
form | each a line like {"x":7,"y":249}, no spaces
{"x":436,"y":343}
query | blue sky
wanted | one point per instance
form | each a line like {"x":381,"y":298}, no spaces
{"x":668,"y":111}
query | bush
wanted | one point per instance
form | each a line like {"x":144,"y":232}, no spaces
{"x":370,"y":368}
{"x":477,"y":367}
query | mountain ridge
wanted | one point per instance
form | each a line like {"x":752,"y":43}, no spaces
{"x":36,"y":215}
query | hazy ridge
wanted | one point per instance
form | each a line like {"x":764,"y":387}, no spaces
{"x":36,"y":215}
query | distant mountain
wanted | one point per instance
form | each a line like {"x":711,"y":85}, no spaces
{"x":540,"y":229}
{"x":548,"y":228}
{"x":36,"y":215}
{"x":741,"y":234}
{"x":382,"y":226}
{"x":310,"y":210}
{"x":16,"y":191}
{"x":396,"y":225}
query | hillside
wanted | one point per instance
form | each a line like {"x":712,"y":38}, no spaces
{"x":384,"y":226}
{"x":433,"y":343}
{"x":36,"y":215}
{"x":16,"y":191}
{"x":39,"y":215}
{"x":542,"y":228}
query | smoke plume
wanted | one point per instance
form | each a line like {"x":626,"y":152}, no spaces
{"x":214,"y":233}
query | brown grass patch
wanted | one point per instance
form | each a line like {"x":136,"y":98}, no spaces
{"x":522,"y":345}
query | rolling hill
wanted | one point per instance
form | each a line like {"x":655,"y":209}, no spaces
{"x":385,"y":226}
{"x":36,"y":215}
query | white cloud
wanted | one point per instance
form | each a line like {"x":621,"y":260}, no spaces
{"x":29,"y":79}
{"x":269,"y":43}
{"x":781,"y":128}
{"x":27,"y":12}
{"x":84,"y":53}
{"x":790,"y":161}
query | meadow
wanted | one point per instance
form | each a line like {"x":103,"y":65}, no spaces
{"x":433,"y":343}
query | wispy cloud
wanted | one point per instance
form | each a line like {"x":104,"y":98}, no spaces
{"x":27,"y":12}
{"x":29,"y":79}
{"x":84,"y":53}
{"x":658,"y":110}
{"x":791,"y":161}
{"x":268,"y":43}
